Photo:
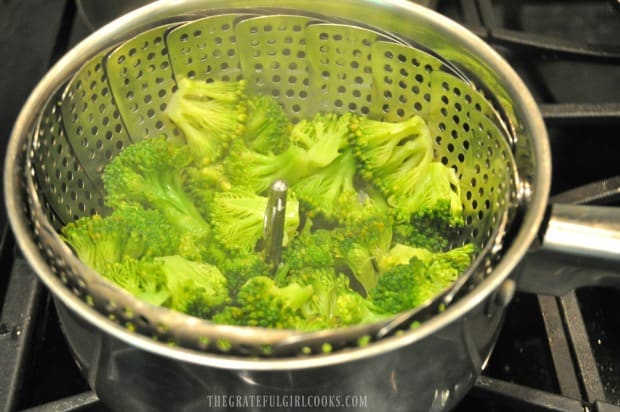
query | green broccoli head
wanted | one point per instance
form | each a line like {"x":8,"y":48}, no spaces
{"x":267,"y":128}
{"x":389,"y":153}
{"x":322,"y":138}
{"x":238,"y":218}
{"x":415,"y":275}
{"x":200,"y":184}
{"x":195,"y":288}
{"x":260,"y":302}
{"x":256,"y":172}
{"x":240,"y":266}
{"x":353,"y":309}
{"x":331,"y":193}
{"x":362,"y":244}
{"x":436,"y":194}
{"x":150,"y":173}
{"x":333,"y":303}
{"x":210,"y":115}
{"x":130,"y":231}
{"x":404,"y":287}
{"x":434,"y":228}
{"x":310,"y":249}
{"x":140,"y":277}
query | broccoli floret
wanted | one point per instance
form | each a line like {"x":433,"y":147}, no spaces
{"x":129,"y":231}
{"x":433,"y":228}
{"x":310,"y":249}
{"x":319,"y":312}
{"x":256,"y":172}
{"x":322,"y":138}
{"x":210,"y":115}
{"x":390,"y":153}
{"x":195,"y":288}
{"x":353,"y":309}
{"x":333,"y":302}
{"x":436,"y":199}
{"x":238,"y":267}
{"x":404,"y":287}
{"x":416,"y":275}
{"x":150,"y":173}
{"x":238,"y":219}
{"x":140,"y":277}
{"x":260,"y":302}
{"x":201,"y":183}
{"x":397,"y":157}
{"x":267,"y":128}
{"x":360,"y":246}
{"x":314,"y":144}
{"x":457,"y":258}
{"x":331,"y":192}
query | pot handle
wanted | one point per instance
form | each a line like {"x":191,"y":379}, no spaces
{"x":580,"y":246}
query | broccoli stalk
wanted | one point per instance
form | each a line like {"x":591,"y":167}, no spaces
{"x":256,"y":172}
{"x":150,"y":173}
{"x":391,"y":152}
{"x":333,"y":302}
{"x":210,"y":115}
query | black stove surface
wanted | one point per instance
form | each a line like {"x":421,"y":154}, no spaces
{"x":554,"y":354}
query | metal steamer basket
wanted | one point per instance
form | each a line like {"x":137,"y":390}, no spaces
{"x":388,"y":60}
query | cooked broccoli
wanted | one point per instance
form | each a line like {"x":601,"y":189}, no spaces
{"x":333,"y":302}
{"x":202,"y":182}
{"x":239,"y":267}
{"x":458,"y":258}
{"x":362,"y":244}
{"x":150,"y":172}
{"x":238,"y":219}
{"x":353,"y":309}
{"x":256,"y":172}
{"x":371,"y":238}
{"x":322,"y":138}
{"x":313,"y":145}
{"x":129,"y":231}
{"x":331,"y":193}
{"x":260,"y":302}
{"x":195,"y":288}
{"x":267,"y":128}
{"x":390,"y":153}
{"x":210,"y":115}
{"x":416,"y":275}
{"x":310,"y":249}
{"x":140,"y":277}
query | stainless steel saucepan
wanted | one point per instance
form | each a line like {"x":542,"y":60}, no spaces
{"x":389,"y":60}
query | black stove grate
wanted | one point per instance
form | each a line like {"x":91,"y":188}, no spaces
{"x":553,"y":354}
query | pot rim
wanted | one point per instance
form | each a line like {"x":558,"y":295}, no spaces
{"x":126,"y":26}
